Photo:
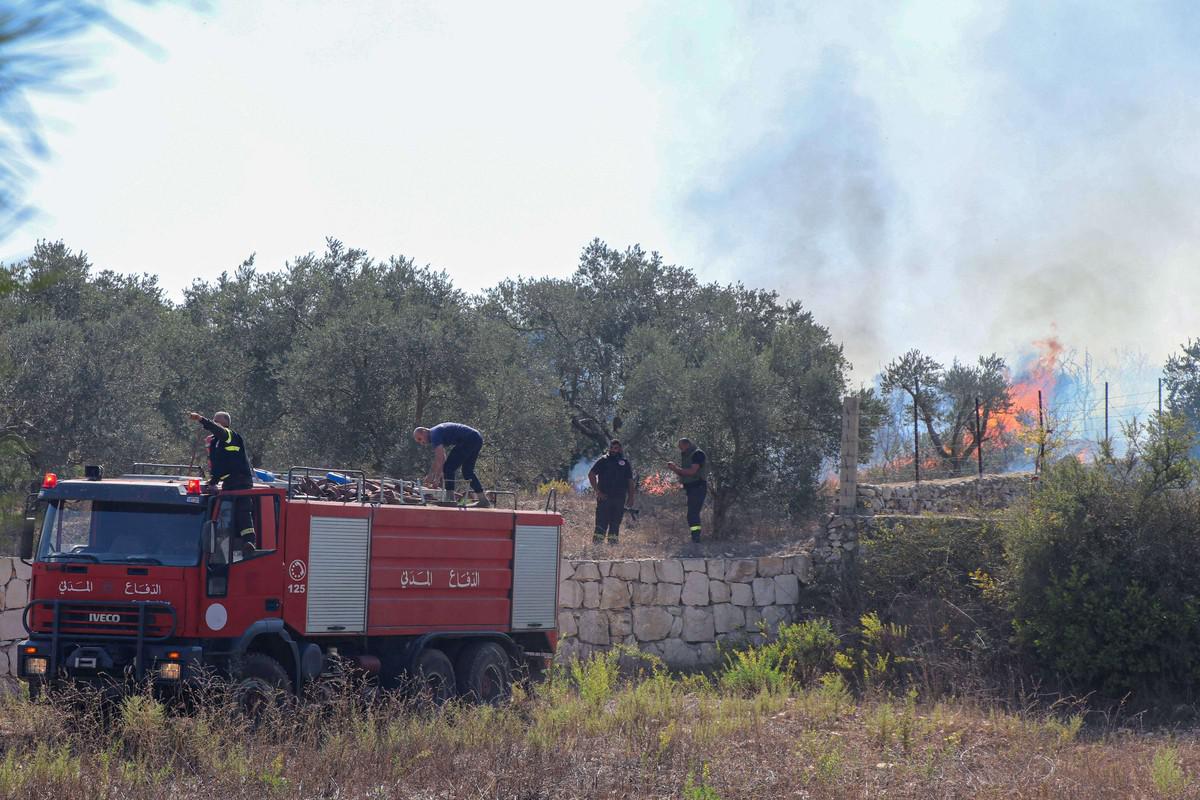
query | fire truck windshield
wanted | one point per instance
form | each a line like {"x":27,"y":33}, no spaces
{"x":102,"y":531}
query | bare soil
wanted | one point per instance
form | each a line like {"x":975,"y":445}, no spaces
{"x":660,"y":530}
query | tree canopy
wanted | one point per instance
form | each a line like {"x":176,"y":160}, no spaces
{"x":335,"y":358}
{"x":944,"y":400}
{"x":1181,"y":378}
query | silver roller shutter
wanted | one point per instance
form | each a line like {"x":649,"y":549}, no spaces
{"x":535,"y":577}
{"x":338,"y":554}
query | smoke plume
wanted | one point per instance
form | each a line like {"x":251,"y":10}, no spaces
{"x":954,"y":177}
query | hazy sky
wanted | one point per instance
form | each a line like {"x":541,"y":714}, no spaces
{"x":958,"y":177}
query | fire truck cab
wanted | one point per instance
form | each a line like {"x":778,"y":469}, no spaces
{"x":144,"y":577}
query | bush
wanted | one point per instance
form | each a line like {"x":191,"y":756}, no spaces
{"x":937,"y":578}
{"x":876,"y":661}
{"x":928,"y":558}
{"x":759,"y":669}
{"x":1104,"y":564}
{"x":807,"y":648}
{"x":800,"y":653}
{"x":597,"y":676}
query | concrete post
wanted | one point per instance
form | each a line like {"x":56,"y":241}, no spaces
{"x":848,"y":470}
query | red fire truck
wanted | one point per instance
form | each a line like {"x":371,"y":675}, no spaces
{"x":144,"y":577}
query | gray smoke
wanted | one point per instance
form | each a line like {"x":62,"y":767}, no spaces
{"x":959,"y":179}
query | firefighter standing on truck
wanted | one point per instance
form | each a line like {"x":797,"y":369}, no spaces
{"x":612,"y":481}
{"x":229,"y":464}
{"x":692,"y":470}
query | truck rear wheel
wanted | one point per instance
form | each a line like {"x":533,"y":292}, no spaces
{"x":261,"y":681}
{"x":435,"y":675}
{"x":484,"y":673}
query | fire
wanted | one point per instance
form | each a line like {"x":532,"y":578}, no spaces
{"x":658,"y":484}
{"x":1041,"y":376}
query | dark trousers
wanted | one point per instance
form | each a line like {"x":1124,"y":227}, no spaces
{"x":609,"y":513}
{"x":462,"y":455}
{"x":696,"y":492}
{"x":243,"y":519}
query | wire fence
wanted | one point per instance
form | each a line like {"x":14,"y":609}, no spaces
{"x":1072,"y":422}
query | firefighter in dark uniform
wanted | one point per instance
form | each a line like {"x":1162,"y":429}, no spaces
{"x":692,"y":470}
{"x":229,"y":465}
{"x":612,"y":481}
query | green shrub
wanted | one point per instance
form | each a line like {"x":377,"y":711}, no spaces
{"x":928,"y":557}
{"x":701,"y":790}
{"x":876,"y":661}
{"x":932,"y":576}
{"x":597,"y":676}
{"x":1168,"y":776}
{"x":759,"y":669}
{"x":1104,"y":567}
{"x":800,"y":652}
{"x":807,"y":648}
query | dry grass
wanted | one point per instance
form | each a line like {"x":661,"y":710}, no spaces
{"x":591,"y":734}
{"x":661,"y":531}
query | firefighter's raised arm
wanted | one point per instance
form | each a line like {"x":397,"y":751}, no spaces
{"x":207,"y":423}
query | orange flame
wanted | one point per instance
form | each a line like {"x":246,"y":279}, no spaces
{"x":1041,"y":376}
{"x":658,"y":484}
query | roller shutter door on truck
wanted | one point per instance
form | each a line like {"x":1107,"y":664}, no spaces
{"x":339,"y":550}
{"x":535,"y":577}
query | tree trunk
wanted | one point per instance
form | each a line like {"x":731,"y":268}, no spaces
{"x":722,"y":502}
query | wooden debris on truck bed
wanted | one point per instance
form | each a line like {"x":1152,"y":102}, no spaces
{"x":387,"y":492}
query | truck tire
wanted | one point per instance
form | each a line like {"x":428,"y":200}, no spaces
{"x":484,"y":673}
{"x":435,"y":675}
{"x":259,"y":682}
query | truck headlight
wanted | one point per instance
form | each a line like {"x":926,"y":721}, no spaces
{"x":170,"y":670}
{"x":37,"y":666}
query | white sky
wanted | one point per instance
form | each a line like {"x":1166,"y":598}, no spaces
{"x":961,"y":178}
{"x":485,"y":139}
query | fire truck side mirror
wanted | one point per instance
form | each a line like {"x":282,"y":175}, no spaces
{"x":25,"y":546}
{"x":28,"y":528}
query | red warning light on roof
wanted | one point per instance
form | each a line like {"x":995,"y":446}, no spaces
{"x":193,"y":486}
{"x":50,"y":481}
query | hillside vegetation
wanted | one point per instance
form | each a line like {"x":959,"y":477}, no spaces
{"x":1087,"y":587}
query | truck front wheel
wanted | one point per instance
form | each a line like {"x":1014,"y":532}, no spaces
{"x":435,"y":674}
{"x":484,"y":673}
{"x":260,"y":680}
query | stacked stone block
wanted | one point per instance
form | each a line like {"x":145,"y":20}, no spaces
{"x":949,"y":496}
{"x":677,"y":609}
{"x":14,"y":578}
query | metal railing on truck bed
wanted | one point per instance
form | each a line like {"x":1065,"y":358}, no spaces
{"x":353,"y":486}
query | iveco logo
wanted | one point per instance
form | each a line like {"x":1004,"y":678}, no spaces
{"x":104,"y":617}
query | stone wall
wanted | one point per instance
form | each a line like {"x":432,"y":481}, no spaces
{"x":950,"y":496}
{"x":14,"y":594}
{"x":677,"y":609}
{"x":838,"y":538}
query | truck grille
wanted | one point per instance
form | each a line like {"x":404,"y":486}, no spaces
{"x":147,"y":620}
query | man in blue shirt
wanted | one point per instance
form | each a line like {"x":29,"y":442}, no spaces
{"x":465,"y":443}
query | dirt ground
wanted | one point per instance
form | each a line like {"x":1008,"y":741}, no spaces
{"x":660,"y":529}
